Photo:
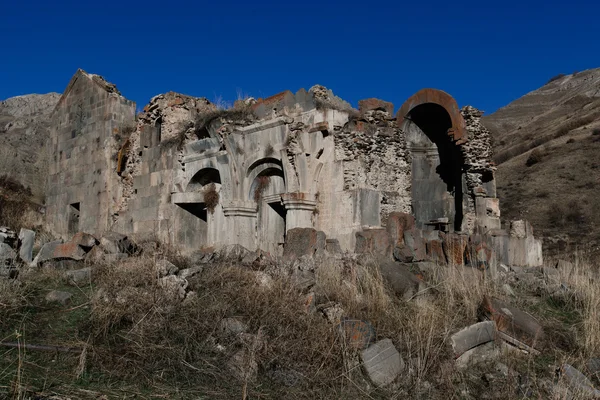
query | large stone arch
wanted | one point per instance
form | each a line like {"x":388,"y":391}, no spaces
{"x":434,"y":131}
{"x":458,"y":129}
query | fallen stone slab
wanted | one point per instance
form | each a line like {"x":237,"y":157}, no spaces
{"x":84,"y":240}
{"x":382,"y":362}
{"x":113,"y":243}
{"x":27,"y":239}
{"x":578,"y":383}
{"x":76,"y":249}
{"x":357,"y":334}
{"x":56,"y":296}
{"x":189,"y":272}
{"x":402,"y":281}
{"x":473,"y":336}
{"x":165,"y":267}
{"x":79,"y":276}
{"x":479,"y":354}
{"x":512,"y":322}
{"x":373,"y":241}
{"x":7,"y":254}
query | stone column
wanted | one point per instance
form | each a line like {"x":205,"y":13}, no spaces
{"x":240,"y":217}
{"x":299,"y":210}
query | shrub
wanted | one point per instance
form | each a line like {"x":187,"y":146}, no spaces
{"x":555,"y":78}
{"x":534,"y":157}
{"x":211,"y":197}
{"x":575,"y":213}
{"x":571,"y":141}
{"x":555,"y":215}
{"x":596,"y":132}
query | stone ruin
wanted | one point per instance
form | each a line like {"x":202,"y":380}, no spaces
{"x":299,"y":170}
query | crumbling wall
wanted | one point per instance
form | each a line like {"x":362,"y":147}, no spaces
{"x":374,"y":153}
{"x":81,"y":185}
{"x":477,"y":153}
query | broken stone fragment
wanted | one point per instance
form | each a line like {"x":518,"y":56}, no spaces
{"x":27,"y":239}
{"x":357,"y":334}
{"x":233,"y":326}
{"x":373,"y":104}
{"x":303,"y":242}
{"x":165,"y":267}
{"x":79,"y":276}
{"x":473,"y":336}
{"x":479,"y":354}
{"x":7,"y":254}
{"x":174,"y":286}
{"x":578,"y":383}
{"x":113,"y":243}
{"x":512,"y":323}
{"x":189,"y":272}
{"x":56,"y":296}
{"x":402,"y":281}
{"x":382,"y":362}
{"x":373,"y":241}
{"x":332,"y":311}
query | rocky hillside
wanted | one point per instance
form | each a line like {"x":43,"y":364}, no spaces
{"x":546,"y":145}
{"x":24,"y":128}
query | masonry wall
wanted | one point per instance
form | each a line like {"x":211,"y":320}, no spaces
{"x":82,"y":185}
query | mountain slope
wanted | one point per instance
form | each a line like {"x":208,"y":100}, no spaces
{"x":24,"y":129}
{"x":547,"y":145}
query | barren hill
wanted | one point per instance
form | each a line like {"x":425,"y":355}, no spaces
{"x":24,"y":124}
{"x":547,"y":145}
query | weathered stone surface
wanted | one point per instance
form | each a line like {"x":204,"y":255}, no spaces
{"x":397,"y":224}
{"x":7,"y":254}
{"x":243,"y":366}
{"x":373,"y":104}
{"x":373,"y":241}
{"x":174,"y":285}
{"x":413,"y":239}
{"x":513,"y":322}
{"x":357,"y":334}
{"x":84,"y":240}
{"x":46,"y":252}
{"x":435,"y":252}
{"x":56,"y":296}
{"x":233,"y":326}
{"x":27,"y":239}
{"x":578,"y":383}
{"x":479,"y":354}
{"x":79,"y":276}
{"x":455,"y":248}
{"x":303,"y":241}
{"x":113,"y":243}
{"x":402,"y":281}
{"x":593,"y":368}
{"x":333,"y":246}
{"x":189,"y":272}
{"x":473,"y":336}
{"x":332,"y":311}
{"x":8,"y":236}
{"x":382,"y":362}
{"x":165,"y":267}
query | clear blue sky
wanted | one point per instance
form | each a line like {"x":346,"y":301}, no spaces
{"x":484,"y":53}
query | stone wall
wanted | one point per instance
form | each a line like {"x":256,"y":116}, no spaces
{"x":82,"y":186}
{"x":196,"y":176}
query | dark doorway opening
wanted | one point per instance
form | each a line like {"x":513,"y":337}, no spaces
{"x":73,"y":218}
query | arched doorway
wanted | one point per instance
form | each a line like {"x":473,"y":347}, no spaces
{"x":201,"y":221}
{"x":268,"y":183}
{"x":437,"y":162}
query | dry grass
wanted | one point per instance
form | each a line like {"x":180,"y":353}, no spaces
{"x":211,"y":197}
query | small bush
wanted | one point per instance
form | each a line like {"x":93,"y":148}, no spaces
{"x":555,"y":215}
{"x":570,"y":141}
{"x":575,"y":213}
{"x":534,"y":157}
{"x":596,"y":132}
{"x":555,"y":78}
{"x":211,"y":197}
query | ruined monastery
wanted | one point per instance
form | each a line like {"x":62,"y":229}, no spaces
{"x":417,"y":185}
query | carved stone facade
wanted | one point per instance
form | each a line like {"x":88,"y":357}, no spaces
{"x":200,"y":177}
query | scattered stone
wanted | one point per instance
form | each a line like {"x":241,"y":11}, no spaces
{"x":233,"y":326}
{"x":8,"y":236}
{"x":189,"y":272}
{"x":84,"y":240}
{"x":512,"y":322}
{"x":578,"y":383}
{"x":357,"y":334}
{"x":233,"y":252}
{"x":551,"y":275}
{"x":79,"y":276}
{"x":309,"y":303}
{"x":27,"y":239}
{"x":174,"y":285}
{"x":480,"y":354}
{"x":7,"y":254}
{"x":56,"y":296}
{"x":473,"y":336}
{"x":415,"y":243}
{"x":397,"y":224}
{"x":508,"y":290}
{"x":332,"y":311}
{"x":402,"y":281}
{"x":243,"y":366}
{"x":382,"y":362}
{"x":263,"y":280}
{"x":373,"y":241}
{"x":113,"y":243}
{"x":165,"y":267}
{"x":303,"y":241}
{"x":76,"y":249}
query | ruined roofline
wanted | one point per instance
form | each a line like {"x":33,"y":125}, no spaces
{"x":96,"y":79}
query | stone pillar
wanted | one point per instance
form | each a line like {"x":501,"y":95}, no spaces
{"x":299,"y":210}
{"x":240,"y":223}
